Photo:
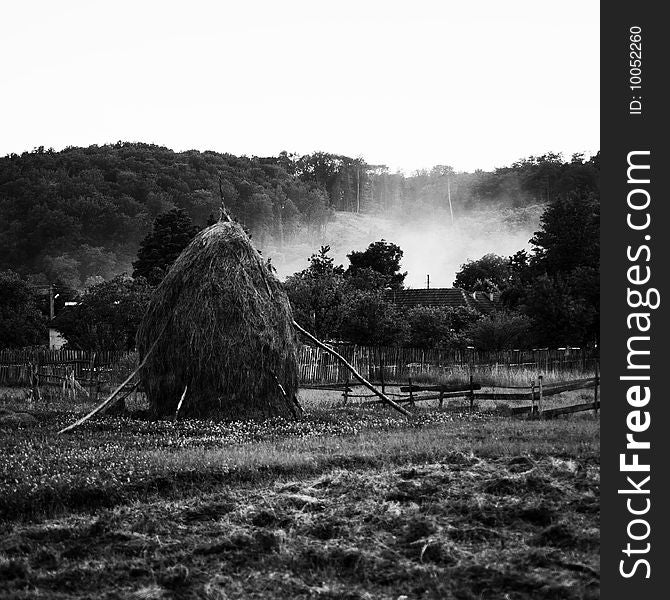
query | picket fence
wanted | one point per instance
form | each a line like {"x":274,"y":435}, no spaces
{"x":315,"y":366}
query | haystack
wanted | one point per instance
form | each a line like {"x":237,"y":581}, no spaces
{"x":224,"y":331}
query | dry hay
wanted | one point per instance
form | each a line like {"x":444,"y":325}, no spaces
{"x":223,"y":325}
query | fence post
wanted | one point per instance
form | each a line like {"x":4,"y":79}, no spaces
{"x":472,"y":394}
{"x":345,"y":394}
{"x":595,"y":392}
{"x":371,"y":366}
{"x":37,"y":377}
{"x":411,"y":394}
{"x":539,"y":402}
{"x":381,"y":374}
{"x":532,"y":400}
{"x":441,"y":397}
{"x":91,"y":370}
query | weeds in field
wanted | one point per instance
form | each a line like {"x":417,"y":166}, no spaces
{"x":119,"y":458}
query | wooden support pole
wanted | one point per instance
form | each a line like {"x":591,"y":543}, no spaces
{"x":411,"y":392}
{"x":539,"y":402}
{"x":353,"y":371}
{"x":441,"y":398}
{"x":111,"y":400}
{"x":345,"y":394}
{"x":181,"y":401}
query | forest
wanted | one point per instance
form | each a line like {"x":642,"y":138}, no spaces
{"x":77,"y":217}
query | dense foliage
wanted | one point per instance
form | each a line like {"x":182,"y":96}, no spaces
{"x":354,"y":304}
{"x":83,"y":212}
{"x":107,"y":315}
{"x":556,"y":288}
{"x":22,"y":323}
{"x":80,"y":214}
{"x":171,"y":233}
{"x":382,"y":257}
{"x":350,"y":304}
{"x":490,"y":273}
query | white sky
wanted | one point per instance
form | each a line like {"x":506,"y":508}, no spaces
{"x":410,"y":84}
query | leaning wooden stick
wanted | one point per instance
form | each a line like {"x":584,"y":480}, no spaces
{"x":114,"y":395}
{"x":355,"y":373}
{"x":181,"y":401}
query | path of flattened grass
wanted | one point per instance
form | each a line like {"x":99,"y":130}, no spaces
{"x":472,"y":525}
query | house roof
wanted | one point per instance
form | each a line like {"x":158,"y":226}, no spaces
{"x":445,"y":297}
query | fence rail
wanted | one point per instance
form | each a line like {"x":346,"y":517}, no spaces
{"x":315,"y":366}
{"x":536,"y":394}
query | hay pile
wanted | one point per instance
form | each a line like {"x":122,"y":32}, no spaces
{"x":223,"y":325}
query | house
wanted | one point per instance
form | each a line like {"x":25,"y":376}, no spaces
{"x":482,"y":302}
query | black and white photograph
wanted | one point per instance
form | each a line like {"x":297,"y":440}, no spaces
{"x":301,"y":299}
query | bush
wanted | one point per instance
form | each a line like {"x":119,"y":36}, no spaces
{"x":500,"y":331}
{"x":21,"y":322}
{"x":438,"y":327}
{"x":369,"y":319}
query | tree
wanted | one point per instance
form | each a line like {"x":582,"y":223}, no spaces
{"x":564,"y":308}
{"x":21,"y":321}
{"x":171,"y":233}
{"x":500,"y":331}
{"x":490,"y":273}
{"x":570,"y":234}
{"x":369,"y":319}
{"x":366,"y":280}
{"x":558,"y":285}
{"x":438,"y":327}
{"x":316,"y":295}
{"x":384,"y":258}
{"x":107,"y":315}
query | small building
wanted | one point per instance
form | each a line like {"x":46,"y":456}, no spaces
{"x":482,"y":302}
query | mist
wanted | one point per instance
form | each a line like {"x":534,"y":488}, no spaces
{"x":431,"y":244}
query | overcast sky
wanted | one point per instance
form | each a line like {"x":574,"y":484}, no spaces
{"x":472,"y":84}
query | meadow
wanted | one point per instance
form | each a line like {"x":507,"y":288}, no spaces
{"x":348,"y":502}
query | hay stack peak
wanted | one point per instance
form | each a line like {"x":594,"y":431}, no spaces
{"x":224,"y":330}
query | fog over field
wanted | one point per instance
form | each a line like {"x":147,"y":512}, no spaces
{"x":431,"y":244}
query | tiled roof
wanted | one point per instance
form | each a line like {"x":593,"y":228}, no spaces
{"x":445,"y":297}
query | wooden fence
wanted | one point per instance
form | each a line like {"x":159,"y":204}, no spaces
{"x":315,"y":366}
{"x":535,"y":393}
{"x":19,"y":367}
{"x":398,"y":364}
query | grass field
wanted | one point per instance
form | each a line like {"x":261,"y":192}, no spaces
{"x":350,"y":502}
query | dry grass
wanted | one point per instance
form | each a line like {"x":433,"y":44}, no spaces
{"x":442,"y":513}
{"x":349,"y":502}
{"x":222,"y":327}
{"x":500,"y":375}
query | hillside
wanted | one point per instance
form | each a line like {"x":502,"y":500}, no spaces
{"x":81,"y":213}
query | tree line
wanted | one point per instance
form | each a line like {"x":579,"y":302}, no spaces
{"x":77,"y":217}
